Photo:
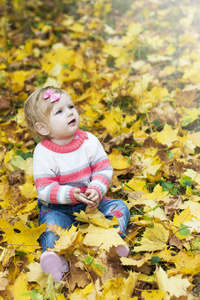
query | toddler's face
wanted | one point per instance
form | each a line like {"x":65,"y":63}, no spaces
{"x":64,"y":120}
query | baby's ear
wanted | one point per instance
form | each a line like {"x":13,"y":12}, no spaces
{"x":42,"y":128}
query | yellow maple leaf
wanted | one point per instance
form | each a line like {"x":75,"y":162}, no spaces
{"x":191,"y":74}
{"x":167,"y":136}
{"x":183,"y":217}
{"x":195,"y":176}
{"x":168,"y":70}
{"x":187,"y":263}
{"x":189,"y":114}
{"x":153,"y":238}
{"x":153,"y":164}
{"x":156,"y":211}
{"x":28,"y":168}
{"x":104,"y":238}
{"x":141,"y":86}
{"x":173,"y":286}
{"x":195,"y":138}
{"x":59,"y":55}
{"x":179,"y":220}
{"x":137,"y":185}
{"x":17,"y":162}
{"x":95,"y":217}
{"x":194,"y":206}
{"x":112,"y":49}
{"x":153,"y":294}
{"x":84,"y":293}
{"x":120,"y":286}
{"x":4,"y":190}
{"x":79,"y":60}
{"x":159,"y":93}
{"x":56,"y":70}
{"x":36,"y":274}
{"x":118,"y":161}
{"x":76,"y":27}
{"x":24,"y":212}
{"x":67,"y":240}
{"x":113,"y":120}
{"x":61,"y":297}
{"x":28,"y":190}
{"x":18,"y":78}
{"x":133,"y":262}
{"x":22,"y":53}
{"x":20,"y":288}
{"x":134,"y":29}
{"x":20,"y":236}
{"x":157,"y":194}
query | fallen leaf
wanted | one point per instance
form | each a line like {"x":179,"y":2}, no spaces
{"x":4,"y":280}
{"x":153,"y":239}
{"x":103,"y":238}
{"x":172,"y":286}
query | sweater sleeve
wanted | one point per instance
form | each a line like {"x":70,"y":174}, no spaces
{"x":46,"y":178}
{"x":101,"y":168}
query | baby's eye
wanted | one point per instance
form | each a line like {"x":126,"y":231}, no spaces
{"x":71,"y":106}
{"x":59,"y":112}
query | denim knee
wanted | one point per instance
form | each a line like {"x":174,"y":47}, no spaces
{"x":48,"y":239}
{"x":116,"y":208}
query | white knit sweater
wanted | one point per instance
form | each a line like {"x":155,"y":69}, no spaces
{"x":58,"y":170}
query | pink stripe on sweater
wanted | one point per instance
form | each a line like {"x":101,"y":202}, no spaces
{"x":53,"y":194}
{"x":102,"y":179}
{"x":100,"y":165}
{"x":76,"y":176}
{"x":62,"y":179}
{"x":43,"y":181}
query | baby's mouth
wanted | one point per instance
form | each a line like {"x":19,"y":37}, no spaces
{"x":72,"y":122}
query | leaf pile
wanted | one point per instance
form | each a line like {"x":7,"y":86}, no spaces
{"x":132,"y":68}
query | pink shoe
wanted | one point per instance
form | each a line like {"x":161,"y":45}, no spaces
{"x":54,"y":264}
{"x":123,"y":250}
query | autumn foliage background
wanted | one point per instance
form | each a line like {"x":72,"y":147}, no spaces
{"x":132,"y":69}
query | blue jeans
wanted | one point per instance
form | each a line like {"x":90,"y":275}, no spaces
{"x":62,"y":215}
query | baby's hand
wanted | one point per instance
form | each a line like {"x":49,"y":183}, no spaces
{"x":92,"y":195}
{"x":81,"y":197}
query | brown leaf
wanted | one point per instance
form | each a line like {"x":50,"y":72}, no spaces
{"x":174,"y":241}
{"x":114,"y":268}
{"x":173,"y":205}
{"x":16,"y":176}
{"x":4,"y":104}
{"x":120,"y":140}
{"x":78,"y":277}
{"x":3,"y":280}
{"x":58,"y":230}
{"x":187,"y":98}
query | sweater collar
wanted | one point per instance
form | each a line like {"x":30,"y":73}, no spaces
{"x":78,"y":140}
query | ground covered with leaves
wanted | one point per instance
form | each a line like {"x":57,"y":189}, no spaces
{"x":132,"y":68}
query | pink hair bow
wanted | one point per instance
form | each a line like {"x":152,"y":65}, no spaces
{"x":53,"y":97}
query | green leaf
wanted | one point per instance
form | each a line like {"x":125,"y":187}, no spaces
{"x":155,"y":260}
{"x":155,"y":207}
{"x":196,"y":243}
{"x":186,"y":181}
{"x":183,"y":230}
{"x":24,"y":155}
{"x":186,"y":122}
{"x":88,"y":260}
{"x":170,"y":154}
{"x":167,"y":185}
{"x":146,"y":216}
{"x":99,"y":266}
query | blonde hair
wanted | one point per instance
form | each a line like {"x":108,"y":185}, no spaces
{"x":36,"y":109}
